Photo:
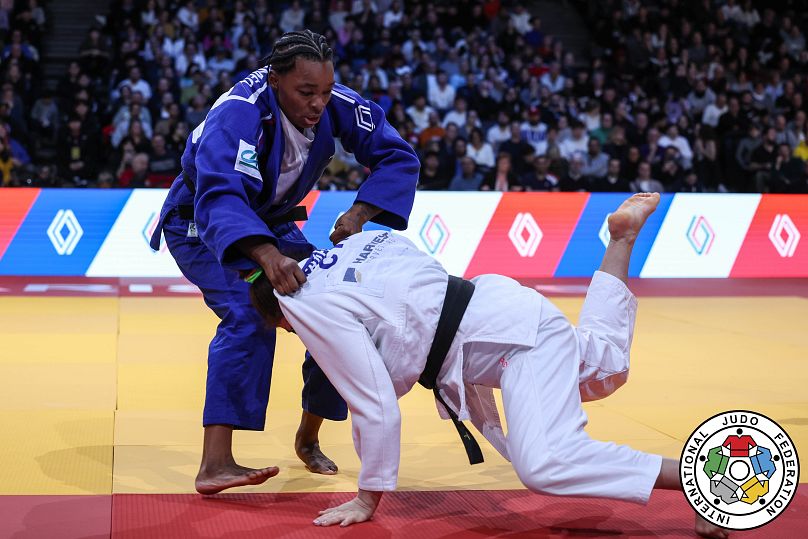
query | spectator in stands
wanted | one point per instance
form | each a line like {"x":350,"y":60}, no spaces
{"x":197,"y":111}
{"x":743,"y":157}
{"x":574,"y":179}
{"x":441,"y":93}
{"x":540,"y":178}
{"x":78,"y":154}
{"x":95,"y":53}
{"x":126,"y":116}
{"x":137,"y":84}
{"x":788,"y":174}
{"x":613,"y":180}
{"x":221,"y":62}
{"x":458,"y":114}
{"x":188,"y":16}
{"x":7,"y":165}
{"x":46,"y":117}
{"x":671,"y":171}
{"x":468,"y":177}
{"x":502,"y":177}
{"x":706,"y":163}
{"x":596,"y":163}
{"x":534,"y":131}
{"x":644,"y":182}
{"x":576,"y":144}
{"x":124,"y":159}
{"x":480,"y":151}
{"x":553,"y":80}
{"x":520,"y":151}
{"x":690,"y":183}
{"x":292,"y":17}
{"x":762,"y":161}
{"x":673,"y":138}
{"x":500,"y":132}
{"x":713,"y":111}
{"x":430,"y":178}
{"x":164,"y":163}
{"x":419,"y":112}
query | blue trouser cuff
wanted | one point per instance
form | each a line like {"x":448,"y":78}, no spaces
{"x":319,"y":395}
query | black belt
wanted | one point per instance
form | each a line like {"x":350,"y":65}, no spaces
{"x":298,"y":213}
{"x":458,"y":295}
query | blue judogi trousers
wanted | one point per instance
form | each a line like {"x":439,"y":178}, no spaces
{"x":241,"y":355}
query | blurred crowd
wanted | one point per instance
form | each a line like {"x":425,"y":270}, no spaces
{"x":673,"y":95}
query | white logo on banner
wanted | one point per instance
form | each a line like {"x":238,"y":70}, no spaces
{"x":525,"y":246}
{"x":604,"y":234}
{"x":784,"y":235}
{"x":65,"y":242}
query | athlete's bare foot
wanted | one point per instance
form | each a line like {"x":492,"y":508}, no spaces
{"x":708,"y":529}
{"x":212,"y":481}
{"x":627,"y":221}
{"x":314,"y":459}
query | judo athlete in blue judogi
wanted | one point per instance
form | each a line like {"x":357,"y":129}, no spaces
{"x":246,"y":167}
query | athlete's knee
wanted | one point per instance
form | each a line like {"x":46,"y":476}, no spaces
{"x":542,"y":474}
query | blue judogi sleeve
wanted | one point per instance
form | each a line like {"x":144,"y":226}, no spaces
{"x":227,"y":179}
{"x":363,"y":129}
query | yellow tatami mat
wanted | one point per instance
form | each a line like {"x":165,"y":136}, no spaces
{"x":101,"y":395}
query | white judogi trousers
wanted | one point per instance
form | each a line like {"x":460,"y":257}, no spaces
{"x":542,"y":390}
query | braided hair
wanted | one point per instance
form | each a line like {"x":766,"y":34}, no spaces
{"x":293,"y":45}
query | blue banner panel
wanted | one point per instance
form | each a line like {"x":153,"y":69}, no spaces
{"x":329,"y":206}
{"x":63,"y":232}
{"x":588,"y":243}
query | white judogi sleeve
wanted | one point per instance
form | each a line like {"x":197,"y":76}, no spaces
{"x":344,"y":351}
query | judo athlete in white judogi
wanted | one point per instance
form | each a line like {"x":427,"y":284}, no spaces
{"x":370,"y":311}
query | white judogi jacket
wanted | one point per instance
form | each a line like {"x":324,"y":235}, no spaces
{"x":368,"y":314}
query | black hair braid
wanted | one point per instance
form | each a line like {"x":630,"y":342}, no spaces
{"x":293,"y":45}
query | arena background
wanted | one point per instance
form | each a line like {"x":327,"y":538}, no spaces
{"x":103,"y":345}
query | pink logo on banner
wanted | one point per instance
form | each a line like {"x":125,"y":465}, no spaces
{"x":148,"y":230}
{"x":700,"y":235}
{"x":784,"y":235}
{"x":434,"y":234}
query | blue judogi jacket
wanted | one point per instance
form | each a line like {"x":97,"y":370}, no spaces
{"x":233,"y":160}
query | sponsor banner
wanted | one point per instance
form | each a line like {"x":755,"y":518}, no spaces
{"x":14,"y":206}
{"x":63,"y":231}
{"x":777,"y":242}
{"x":450,"y":225}
{"x":527,"y":234}
{"x":323,"y":214}
{"x":125,"y":251}
{"x":588,"y":243}
{"x":701,"y":235}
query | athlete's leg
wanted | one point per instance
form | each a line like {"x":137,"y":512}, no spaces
{"x":606,"y":324}
{"x":239,"y":363}
{"x":320,"y":399}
